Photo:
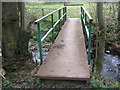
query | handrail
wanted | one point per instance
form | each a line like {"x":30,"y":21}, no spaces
{"x":64,"y":16}
{"x":87,"y":29}
{"x":37,"y":21}
{"x":50,"y":30}
{"x":89,"y":16}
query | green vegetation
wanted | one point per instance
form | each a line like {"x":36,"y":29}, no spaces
{"x":32,"y":81}
{"x":8,"y":84}
{"x":98,"y":81}
{"x":110,"y":17}
{"x":50,"y":6}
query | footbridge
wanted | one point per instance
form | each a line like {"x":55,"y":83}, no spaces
{"x":69,"y":56}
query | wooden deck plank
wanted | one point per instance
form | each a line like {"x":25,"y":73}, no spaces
{"x":67,"y":60}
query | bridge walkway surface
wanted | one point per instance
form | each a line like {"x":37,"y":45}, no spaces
{"x":67,"y":59}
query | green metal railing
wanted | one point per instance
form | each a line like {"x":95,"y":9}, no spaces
{"x":87,"y":29}
{"x":53,"y":25}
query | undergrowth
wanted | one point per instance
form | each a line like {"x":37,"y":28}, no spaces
{"x":99,"y":81}
{"x":96,"y":81}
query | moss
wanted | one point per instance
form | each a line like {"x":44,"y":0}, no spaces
{"x":99,"y":65}
{"x":9,"y":43}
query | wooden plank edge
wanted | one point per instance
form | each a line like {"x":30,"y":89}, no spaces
{"x":62,"y":78}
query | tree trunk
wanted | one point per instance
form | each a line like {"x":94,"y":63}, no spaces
{"x":0,"y":41}
{"x":0,"y":21}
{"x":24,"y":35}
{"x":14,"y":37}
{"x":118,"y":30}
{"x":101,"y":39}
{"x":119,"y":16}
{"x":10,"y":30}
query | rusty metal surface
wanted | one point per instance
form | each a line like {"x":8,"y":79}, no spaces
{"x":67,"y":60}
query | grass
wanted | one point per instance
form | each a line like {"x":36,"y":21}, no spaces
{"x":28,"y":81}
{"x":72,"y":11}
{"x":98,"y":81}
{"x":50,"y":6}
{"x":45,"y":5}
{"x":53,"y":5}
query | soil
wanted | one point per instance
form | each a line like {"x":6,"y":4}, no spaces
{"x":25,"y":75}
{"x":63,"y":84}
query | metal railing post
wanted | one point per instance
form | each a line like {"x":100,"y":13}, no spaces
{"x":85,"y":19}
{"x":59,"y":14}
{"x":65,"y":13}
{"x":89,"y":43}
{"x":85,"y":34}
{"x":82,"y":18}
{"x":82,"y":15}
{"x":81,"y":12}
{"x":52,"y":20}
{"x":40,"y":43}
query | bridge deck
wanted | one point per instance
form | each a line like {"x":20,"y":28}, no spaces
{"x":67,"y":60}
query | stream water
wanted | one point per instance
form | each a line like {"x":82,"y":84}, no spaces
{"x":111,"y":66}
{"x":36,"y":56}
